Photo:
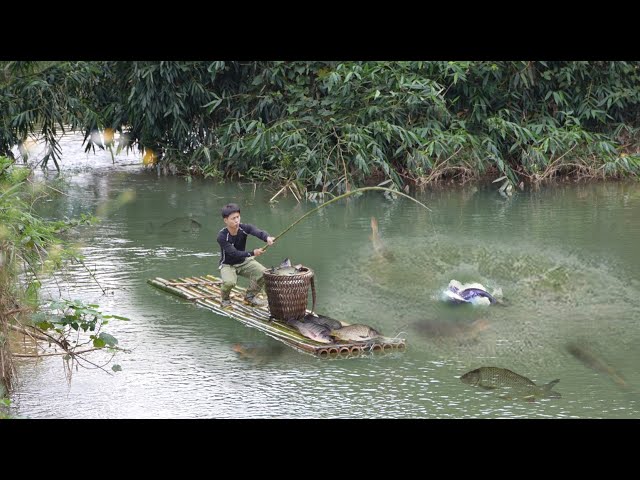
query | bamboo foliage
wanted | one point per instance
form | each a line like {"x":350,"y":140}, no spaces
{"x":333,"y":126}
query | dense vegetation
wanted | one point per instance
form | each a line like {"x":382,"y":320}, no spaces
{"x":31,"y":248}
{"x":331,"y":126}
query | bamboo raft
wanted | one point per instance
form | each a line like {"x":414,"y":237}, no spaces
{"x":205,"y":292}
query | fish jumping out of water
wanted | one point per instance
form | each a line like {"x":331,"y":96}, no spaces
{"x":379,"y":247}
{"x":473,"y":293}
{"x":509,"y":384}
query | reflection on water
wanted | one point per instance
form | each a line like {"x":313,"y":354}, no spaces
{"x":566,"y":259}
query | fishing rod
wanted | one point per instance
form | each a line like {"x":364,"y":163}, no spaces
{"x":344,"y":195}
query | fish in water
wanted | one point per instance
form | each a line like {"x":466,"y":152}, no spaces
{"x":595,"y":362}
{"x":330,"y":323}
{"x":509,"y":383}
{"x":474,"y":293}
{"x":355,"y":333}
{"x":258,"y":352}
{"x":378,"y":247}
{"x":443,"y":328}
{"x":286,"y":268}
{"x":183,"y":224}
{"x":319,"y":333}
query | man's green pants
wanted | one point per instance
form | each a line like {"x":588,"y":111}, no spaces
{"x":250,"y":269}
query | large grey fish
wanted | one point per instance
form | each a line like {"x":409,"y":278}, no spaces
{"x":258,"y":352}
{"x":595,"y":362}
{"x":355,"y":333}
{"x":183,"y":224}
{"x":286,"y":268}
{"x":444,"y":328}
{"x":319,"y":333}
{"x":509,"y":383}
{"x":461,"y":333}
{"x":330,"y":323}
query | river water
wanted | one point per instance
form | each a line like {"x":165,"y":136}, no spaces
{"x":566,"y":258}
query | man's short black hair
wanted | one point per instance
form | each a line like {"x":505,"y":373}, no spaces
{"x":230,"y":208}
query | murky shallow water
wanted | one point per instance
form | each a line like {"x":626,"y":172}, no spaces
{"x":566,"y":259}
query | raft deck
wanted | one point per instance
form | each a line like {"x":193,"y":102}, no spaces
{"x":205,"y":292}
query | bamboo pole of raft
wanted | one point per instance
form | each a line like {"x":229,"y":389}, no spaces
{"x":339,"y":197}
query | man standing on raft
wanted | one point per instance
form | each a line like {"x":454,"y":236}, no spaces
{"x":234,"y":260}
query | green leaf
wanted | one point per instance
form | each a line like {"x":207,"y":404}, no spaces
{"x":116,"y":368}
{"x":108,"y":339}
{"x":44,"y":325}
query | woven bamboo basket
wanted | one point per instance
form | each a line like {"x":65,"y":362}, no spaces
{"x":288,"y":294}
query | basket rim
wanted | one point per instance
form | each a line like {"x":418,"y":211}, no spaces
{"x":306,"y":271}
